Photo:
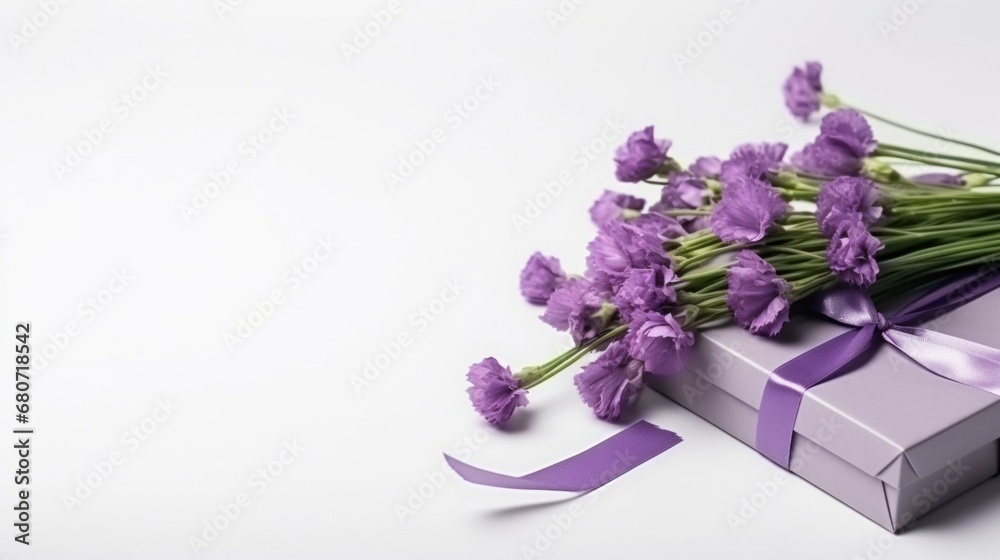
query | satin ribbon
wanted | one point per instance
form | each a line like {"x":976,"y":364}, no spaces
{"x":962,"y":361}
{"x":585,"y":471}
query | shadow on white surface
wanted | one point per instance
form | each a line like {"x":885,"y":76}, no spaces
{"x":980,"y":502}
{"x":526,"y":508}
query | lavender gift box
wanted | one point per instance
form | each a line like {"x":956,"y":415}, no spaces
{"x":890,"y":438}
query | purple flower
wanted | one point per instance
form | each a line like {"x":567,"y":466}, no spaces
{"x":682,"y":191}
{"x":665,"y":227}
{"x":540,"y":277}
{"x":753,"y":160}
{"x":645,"y":289}
{"x":495,"y":392}
{"x":612,"y":206}
{"x":802,"y":90}
{"x":844,"y":140}
{"x":846,"y":200}
{"x":706,"y":167}
{"x":748,"y":209}
{"x":659,"y":342}
{"x":575,"y":306}
{"x":851,"y":255}
{"x":618,"y":247}
{"x":757,"y":295}
{"x":640,"y":156}
{"x":939,"y":179}
{"x":696,"y":223}
{"x":610,"y":382}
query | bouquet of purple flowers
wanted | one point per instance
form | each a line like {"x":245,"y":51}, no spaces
{"x":743,"y":239}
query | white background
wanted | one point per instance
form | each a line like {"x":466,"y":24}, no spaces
{"x":367,"y":448}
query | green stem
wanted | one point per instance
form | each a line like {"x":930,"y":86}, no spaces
{"x":947,"y":251}
{"x":886,"y":152}
{"x":579,"y":352}
{"x":937,"y":155}
{"x":924,"y":132}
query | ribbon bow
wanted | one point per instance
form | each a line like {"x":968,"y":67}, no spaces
{"x":959,"y":360}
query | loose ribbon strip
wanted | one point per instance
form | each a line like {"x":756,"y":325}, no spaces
{"x":962,"y":361}
{"x":586,"y":471}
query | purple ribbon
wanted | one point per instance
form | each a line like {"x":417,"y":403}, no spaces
{"x":953,"y":358}
{"x":586,"y":471}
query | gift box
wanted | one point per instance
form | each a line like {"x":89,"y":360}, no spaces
{"x":889,"y":438}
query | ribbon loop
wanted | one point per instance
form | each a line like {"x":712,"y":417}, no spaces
{"x":848,"y":305}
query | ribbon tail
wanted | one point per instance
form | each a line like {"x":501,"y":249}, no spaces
{"x":952,"y":294}
{"x":959,"y":360}
{"x":779,"y":405}
{"x":585,"y":471}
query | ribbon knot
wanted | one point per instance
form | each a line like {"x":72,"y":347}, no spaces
{"x":883,"y":323}
{"x":962,"y":361}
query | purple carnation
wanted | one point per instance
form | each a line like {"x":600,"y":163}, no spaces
{"x":682,"y":191}
{"x":610,"y":382}
{"x":851,"y":255}
{"x":753,"y":160}
{"x":495,"y":392}
{"x":846,"y":200}
{"x":618,"y":247}
{"x":757,"y":295}
{"x":706,"y":167}
{"x":748,"y":209}
{"x":939,"y":179}
{"x":640,"y":156}
{"x":665,"y":227}
{"x":645,"y":289}
{"x":659,"y":342}
{"x":802,"y":90}
{"x":575,"y":307}
{"x":845,"y":140}
{"x":696,"y":223}
{"x":540,"y":277}
{"x":612,"y":206}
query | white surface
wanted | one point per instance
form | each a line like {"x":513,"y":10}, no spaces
{"x":323,"y":175}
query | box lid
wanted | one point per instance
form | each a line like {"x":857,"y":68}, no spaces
{"x":890,"y":417}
